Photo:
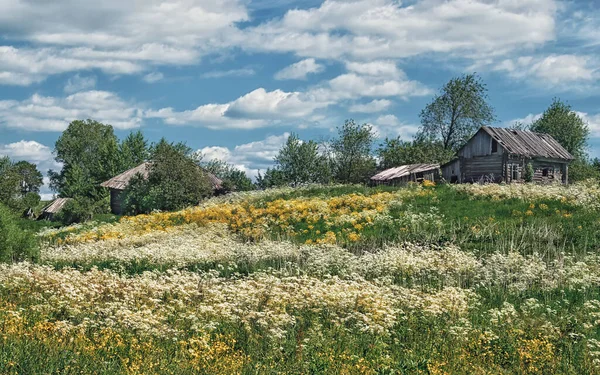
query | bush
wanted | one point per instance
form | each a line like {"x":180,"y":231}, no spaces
{"x":16,"y":244}
{"x":529,"y":173}
{"x":80,"y":210}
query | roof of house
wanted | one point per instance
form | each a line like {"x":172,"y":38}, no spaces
{"x":527,"y":143}
{"x":55,"y":206}
{"x":121,"y":181}
{"x":403,"y":170}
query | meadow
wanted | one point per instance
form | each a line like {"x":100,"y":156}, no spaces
{"x":422,"y":279}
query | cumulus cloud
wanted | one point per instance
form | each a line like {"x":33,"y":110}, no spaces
{"x":376,"y":105}
{"x":244,"y":72}
{"x":79,"y":83}
{"x":249,"y":157}
{"x":390,"y":126}
{"x":551,"y":70}
{"x":371,"y":29}
{"x":117,"y":37}
{"x":300,"y":70}
{"x":46,"y":113}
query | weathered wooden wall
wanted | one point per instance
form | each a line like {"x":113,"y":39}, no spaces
{"x":487,"y":168}
{"x":479,"y":145}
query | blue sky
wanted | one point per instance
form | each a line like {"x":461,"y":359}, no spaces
{"x":233,"y":78}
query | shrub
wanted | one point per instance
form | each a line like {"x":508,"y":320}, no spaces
{"x":16,"y":244}
{"x":79,"y":210}
{"x":529,"y":172}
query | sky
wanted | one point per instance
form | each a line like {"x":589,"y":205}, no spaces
{"x":233,"y":78}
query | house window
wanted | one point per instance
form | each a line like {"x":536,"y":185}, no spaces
{"x":515,"y":172}
{"x":494,"y":146}
{"x":545,"y":172}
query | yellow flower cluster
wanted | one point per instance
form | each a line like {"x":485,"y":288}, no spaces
{"x":322,"y":220}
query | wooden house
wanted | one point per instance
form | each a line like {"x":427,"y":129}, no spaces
{"x":407,"y":173}
{"x":500,"y":154}
{"x":53,"y":208}
{"x":119,"y":183}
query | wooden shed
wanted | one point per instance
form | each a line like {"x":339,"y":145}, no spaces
{"x":406,"y":173}
{"x":53,"y":208}
{"x":501,"y":154}
{"x":119,"y":183}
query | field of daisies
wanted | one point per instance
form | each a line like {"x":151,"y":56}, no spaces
{"x":466,"y":279}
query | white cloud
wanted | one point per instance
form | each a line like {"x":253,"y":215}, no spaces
{"x":593,"y":122}
{"x":376,"y":68}
{"x":153,"y":77}
{"x":41,"y":113}
{"x":390,"y":126}
{"x":371,"y":29}
{"x":249,"y":157}
{"x":300,"y":70}
{"x":353,"y":86}
{"x":244,"y":72}
{"x":551,"y":70}
{"x":79,"y":83}
{"x":376,"y":105}
{"x":117,"y":37}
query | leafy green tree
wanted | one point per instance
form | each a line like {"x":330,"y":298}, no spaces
{"x":133,"y":150}
{"x":457,"y":112}
{"x":89,"y":152}
{"x":30,"y":177}
{"x":175,"y":181}
{"x":19,"y":184}
{"x":273,"y":177}
{"x":564,"y":125}
{"x":233,"y":178}
{"x":16,"y":244}
{"x":396,"y":152}
{"x":351,"y":153}
{"x":300,"y":162}
{"x":80,"y":210}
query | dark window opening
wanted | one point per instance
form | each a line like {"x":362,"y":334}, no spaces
{"x":545,"y":172}
{"x":494,"y":146}
{"x":515,"y":172}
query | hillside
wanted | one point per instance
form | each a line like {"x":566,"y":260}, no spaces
{"x":466,"y":279}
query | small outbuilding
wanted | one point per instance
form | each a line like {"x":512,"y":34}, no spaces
{"x":119,"y":183}
{"x":53,"y":208}
{"x":407,"y":173}
{"x":501,"y":154}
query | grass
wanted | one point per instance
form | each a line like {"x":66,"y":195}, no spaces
{"x":530,"y":305}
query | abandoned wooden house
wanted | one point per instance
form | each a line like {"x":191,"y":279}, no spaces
{"x":119,"y":183}
{"x":53,"y":208}
{"x":407,"y":173}
{"x":500,"y":154}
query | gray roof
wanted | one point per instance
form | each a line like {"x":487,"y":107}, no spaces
{"x":403,"y":170}
{"x":55,"y":206}
{"x":528,"y":144}
{"x":120,"y":182}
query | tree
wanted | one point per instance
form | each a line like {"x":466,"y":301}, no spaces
{"x":457,"y":112}
{"x":564,"y":125}
{"x":133,"y":151}
{"x":351,"y":153}
{"x":395,"y":152}
{"x":300,"y":162}
{"x":89,"y":152}
{"x":272,"y":178}
{"x":233,"y":178}
{"x":30,"y":177}
{"x":19,"y":184}
{"x":175,"y":181}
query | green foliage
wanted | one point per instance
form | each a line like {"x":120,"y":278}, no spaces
{"x":351,"y":153}
{"x":175,"y":181}
{"x":564,"y":125}
{"x":272,"y":178}
{"x":15,"y":243}
{"x":133,"y":151}
{"x":581,"y":170}
{"x":233,"y":178}
{"x":19,"y":184}
{"x":396,"y":152}
{"x":529,"y":173}
{"x":301,"y":163}
{"x":457,"y":112}
{"x":80,"y":210}
{"x":89,"y":152}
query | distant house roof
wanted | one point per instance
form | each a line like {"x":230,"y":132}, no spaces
{"x":120,"y":182}
{"x":527,"y":143}
{"x":403,"y":170}
{"x":55,"y":206}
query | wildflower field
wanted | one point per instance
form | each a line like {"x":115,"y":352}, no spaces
{"x":469,"y":279}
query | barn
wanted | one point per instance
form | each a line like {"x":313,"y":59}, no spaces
{"x":406,"y":173}
{"x":119,"y":183}
{"x":53,"y":208}
{"x":501,"y":154}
